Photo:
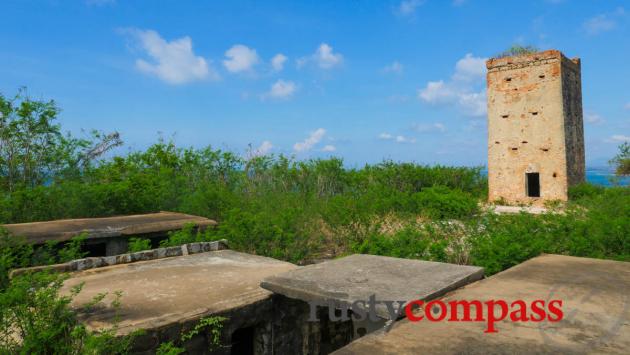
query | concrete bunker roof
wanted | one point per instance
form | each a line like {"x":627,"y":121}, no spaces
{"x":357,"y":277}
{"x":596,"y":303}
{"x":160,"y":292}
{"x":66,"y":229}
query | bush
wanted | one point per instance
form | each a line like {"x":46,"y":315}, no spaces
{"x":440,"y":202}
{"x":36,"y":319}
{"x":15,"y":253}
{"x":584,"y":190}
{"x":138,"y":244}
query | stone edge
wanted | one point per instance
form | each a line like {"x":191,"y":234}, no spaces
{"x":102,"y":261}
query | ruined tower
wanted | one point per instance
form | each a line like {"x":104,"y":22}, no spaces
{"x":535,"y":128}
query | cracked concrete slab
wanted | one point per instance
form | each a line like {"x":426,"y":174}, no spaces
{"x":357,"y":277}
{"x":596,"y":306}
{"x":105,"y":227}
{"x":160,"y":292}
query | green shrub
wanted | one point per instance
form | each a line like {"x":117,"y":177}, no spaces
{"x":36,"y":319}
{"x":188,"y":234}
{"x":584,"y":190}
{"x":138,"y":244}
{"x":440,"y":202}
{"x":72,"y":249}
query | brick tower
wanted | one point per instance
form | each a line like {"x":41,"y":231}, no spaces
{"x":535,"y":128}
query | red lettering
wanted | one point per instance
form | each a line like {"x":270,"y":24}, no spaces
{"x":521,"y":313}
{"x":555,"y":310}
{"x":466,"y":307}
{"x":492,"y":317}
{"x":409,"y":310}
{"x":428,"y":310}
{"x":538,"y":310}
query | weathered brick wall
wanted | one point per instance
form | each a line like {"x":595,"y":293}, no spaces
{"x":573,"y":118}
{"x":534,"y":126}
{"x":294,"y":334}
{"x":280,"y":326}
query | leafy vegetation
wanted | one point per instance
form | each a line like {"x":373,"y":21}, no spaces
{"x":210,"y":325}
{"x":36,"y":319}
{"x":517,"y":50}
{"x":621,"y":161}
{"x":271,"y":205}
{"x":138,"y":244}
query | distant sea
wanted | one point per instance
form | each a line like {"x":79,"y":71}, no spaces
{"x":605,"y":177}
{"x":600,"y":176}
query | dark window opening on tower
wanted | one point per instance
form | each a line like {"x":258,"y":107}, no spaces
{"x":533,"y":184}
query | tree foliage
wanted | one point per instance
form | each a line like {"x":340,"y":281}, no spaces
{"x":33,"y":150}
{"x":35,"y":318}
{"x":621,"y":161}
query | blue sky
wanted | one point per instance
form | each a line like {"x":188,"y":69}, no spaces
{"x":363,"y":80}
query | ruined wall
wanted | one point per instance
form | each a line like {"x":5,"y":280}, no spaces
{"x":574,"y":126}
{"x":527,"y":96}
{"x":278,"y":325}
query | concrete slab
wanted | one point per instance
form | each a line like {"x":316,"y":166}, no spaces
{"x":357,"y":277}
{"x":596,"y":306}
{"x":498,"y":209}
{"x":107,"y":227}
{"x":160,"y":292}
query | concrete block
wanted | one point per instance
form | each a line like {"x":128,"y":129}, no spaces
{"x":173,"y":251}
{"x":357,"y":277}
{"x":595,"y":302}
{"x":123,"y":258}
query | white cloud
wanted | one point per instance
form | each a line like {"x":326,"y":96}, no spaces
{"x":264,"y":149}
{"x":329,"y":148}
{"x":620,"y":138}
{"x":594,"y":118}
{"x":436,"y":92}
{"x":465,"y":89}
{"x":277,"y":62}
{"x":240,"y":58}
{"x":470,"y":68}
{"x":458,"y":2}
{"x":308,"y":144}
{"x":173,"y":62}
{"x":408,"y":7}
{"x":403,"y":139}
{"x":324,"y":57}
{"x":385,"y":136}
{"x":395,"y":67}
{"x":281,"y":90}
{"x":431,"y":127}
{"x":474,"y":103}
{"x":398,"y":139}
{"x":603,"y":22}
